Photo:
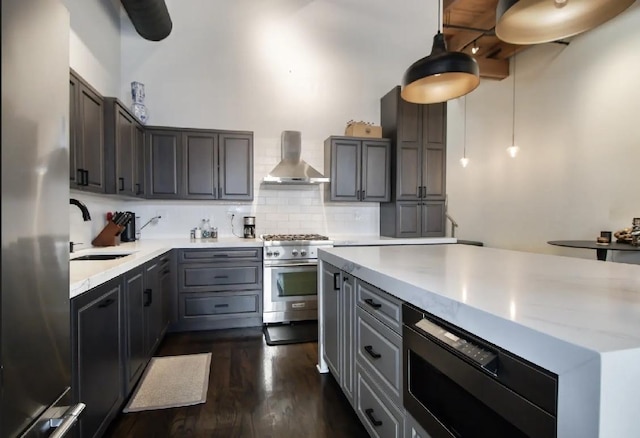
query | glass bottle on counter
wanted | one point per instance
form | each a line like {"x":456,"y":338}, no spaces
{"x":206,"y":228}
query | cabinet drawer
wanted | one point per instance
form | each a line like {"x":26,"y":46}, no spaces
{"x":219,"y":255}
{"x":219,"y":277}
{"x":380,"y":417}
{"x":379,"y":352}
{"x":383,"y":306}
{"x":198,"y":306}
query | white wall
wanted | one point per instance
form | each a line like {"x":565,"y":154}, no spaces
{"x":95,"y":42}
{"x":577,"y":111}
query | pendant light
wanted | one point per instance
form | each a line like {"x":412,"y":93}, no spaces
{"x":543,"y":21}
{"x":513,"y":149}
{"x":442,"y":75}
{"x":464,"y":161}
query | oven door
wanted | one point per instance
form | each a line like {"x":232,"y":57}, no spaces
{"x":290,"y":291}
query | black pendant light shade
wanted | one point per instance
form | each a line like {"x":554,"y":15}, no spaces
{"x":441,"y":76}
{"x":543,"y":21}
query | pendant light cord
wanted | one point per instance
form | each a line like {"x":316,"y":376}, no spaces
{"x":464,"y":152}
{"x":440,"y":16}
{"x":513,"y":114}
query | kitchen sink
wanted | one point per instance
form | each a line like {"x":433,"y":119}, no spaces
{"x":100,"y":256}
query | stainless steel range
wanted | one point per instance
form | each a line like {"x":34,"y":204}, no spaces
{"x":290,"y":276}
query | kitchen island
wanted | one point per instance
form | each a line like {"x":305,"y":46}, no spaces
{"x":579,"y":319}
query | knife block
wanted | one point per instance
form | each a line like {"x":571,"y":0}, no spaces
{"x":108,"y":235}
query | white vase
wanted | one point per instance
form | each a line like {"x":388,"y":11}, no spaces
{"x":137,"y":92}
{"x":140,"y":112}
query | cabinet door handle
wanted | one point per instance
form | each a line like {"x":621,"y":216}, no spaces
{"x":362,"y":195}
{"x":138,"y":190}
{"x":121,"y":182}
{"x":86,"y":177}
{"x":372,"y":303}
{"x":219,"y":192}
{"x":419,"y":191}
{"x":79,"y":175}
{"x":424,"y":191}
{"x":369,"y":413}
{"x":358,"y":195}
{"x":106,"y":303}
{"x":166,"y":271}
{"x":336,"y":281}
{"x":148,"y":293}
{"x":369,"y":349}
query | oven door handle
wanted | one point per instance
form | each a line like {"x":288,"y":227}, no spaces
{"x":293,"y":265}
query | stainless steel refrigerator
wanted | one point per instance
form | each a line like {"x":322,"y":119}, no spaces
{"x":35,"y":326}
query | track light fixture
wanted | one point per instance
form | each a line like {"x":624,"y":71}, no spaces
{"x":475,"y":47}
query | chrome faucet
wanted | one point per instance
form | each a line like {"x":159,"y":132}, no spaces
{"x":83,"y":208}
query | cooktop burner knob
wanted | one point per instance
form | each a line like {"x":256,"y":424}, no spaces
{"x":294,"y":252}
{"x":303,"y":252}
{"x":269,"y":253}
{"x":276,"y":253}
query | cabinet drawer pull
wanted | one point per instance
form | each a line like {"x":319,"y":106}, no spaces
{"x":369,"y":349}
{"x":221,"y":305}
{"x":221,"y":255}
{"x":369,"y":414}
{"x":121,"y":182}
{"x":107,"y":303}
{"x":336,"y":281}
{"x":372,"y":303}
{"x":148,"y":294}
{"x":221,"y":277}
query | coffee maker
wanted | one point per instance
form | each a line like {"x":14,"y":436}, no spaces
{"x":249,"y":227}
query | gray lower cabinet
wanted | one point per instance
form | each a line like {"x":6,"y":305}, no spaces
{"x":97,"y":341}
{"x":145,"y":316}
{"x":219,"y":288}
{"x":199,"y":164}
{"x":338,"y":301}
{"x":362,"y":341}
{"x":359,"y":167}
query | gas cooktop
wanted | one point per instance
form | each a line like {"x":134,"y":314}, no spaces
{"x":292,"y":237}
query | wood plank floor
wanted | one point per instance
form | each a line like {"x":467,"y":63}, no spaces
{"x":255,"y":391}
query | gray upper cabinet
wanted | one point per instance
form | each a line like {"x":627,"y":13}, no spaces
{"x":199,"y":164}
{"x":359,"y":167}
{"x":218,"y":165}
{"x":164,"y":163}
{"x":418,"y":155}
{"x":123,"y":148}
{"x":86,"y":132}
{"x":236,"y":166}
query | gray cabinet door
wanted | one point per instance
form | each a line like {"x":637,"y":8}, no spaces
{"x":200,"y":165}
{"x":408,"y":152}
{"x":345,"y":169}
{"x":433,"y":221}
{"x":140,"y":163}
{"x":164,"y":169}
{"x":235,"y":166}
{"x":134,"y":309}
{"x":409,"y":219}
{"x":434,"y":149}
{"x":348,"y":336}
{"x":125,"y":151}
{"x":96,"y":347}
{"x":153,"y":306}
{"x":331,"y":297}
{"x":375,"y":171}
{"x":75,"y":153}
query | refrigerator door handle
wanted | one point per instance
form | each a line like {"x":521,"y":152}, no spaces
{"x":66,"y":422}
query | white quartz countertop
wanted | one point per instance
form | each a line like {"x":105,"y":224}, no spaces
{"x":587,"y":303}
{"x":376,"y":240}
{"x":87,"y":274}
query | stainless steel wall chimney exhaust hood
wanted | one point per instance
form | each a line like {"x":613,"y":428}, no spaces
{"x":293,"y":169}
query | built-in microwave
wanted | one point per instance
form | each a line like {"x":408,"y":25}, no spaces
{"x":458,"y":386}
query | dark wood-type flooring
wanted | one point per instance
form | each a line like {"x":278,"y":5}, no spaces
{"x":255,"y":391}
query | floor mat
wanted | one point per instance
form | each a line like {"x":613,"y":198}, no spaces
{"x":293,"y":333}
{"x":172,"y":381}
